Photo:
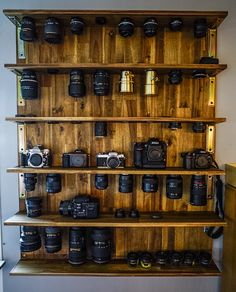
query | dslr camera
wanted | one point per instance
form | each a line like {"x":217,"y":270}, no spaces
{"x":199,"y":159}
{"x":110,"y":160}
{"x":37,"y":157}
{"x":81,"y":207}
{"x":78,"y":158}
{"x":150,"y":154}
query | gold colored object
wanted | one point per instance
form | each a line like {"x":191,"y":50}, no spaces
{"x":212,"y":34}
{"x":210,"y":139}
{"x":151,"y":82}
{"x":212,"y":91}
{"x":20,"y":100}
{"x":127,"y":82}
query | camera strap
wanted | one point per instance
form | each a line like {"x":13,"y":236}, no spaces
{"x":216,"y":232}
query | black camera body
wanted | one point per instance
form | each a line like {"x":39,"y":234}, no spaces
{"x":37,"y":157}
{"x":199,"y":159}
{"x":110,"y":160}
{"x":78,"y":158}
{"x":81,"y":207}
{"x":150,"y":154}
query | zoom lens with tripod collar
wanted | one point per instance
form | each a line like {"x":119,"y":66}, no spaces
{"x":29,"y":85}
{"x":126,"y":82}
{"x":33,"y":206}
{"x":126,"y":27}
{"x":53,"y":239}
{"x":150,"y":27}
{"x":198,"y":190}
{"x":126,"y":183}
{"x":101,"y":83}
{"x":30,"y":180}
{"x":27,"y":29}
{"x":150,"y":87}
{"x":53,"y":183}
{"x":77,"y":25}
{"x":77,"y":246}
{"x":52,"y":31}
{"x":29,"y":239}
{"x":77,"y":87}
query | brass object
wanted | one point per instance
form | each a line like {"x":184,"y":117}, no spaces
{"x":127,"y":82}
{"x":20,"y":100}
{"x":210,"y":187}
{"x":150,"y":87}
{"x":210,"y":139}
{"x":212,"y":91}
{"x":21,"y":147}
{"x":212,"y":34}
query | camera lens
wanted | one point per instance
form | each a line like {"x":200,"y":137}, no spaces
{"x":189,"y":258}
{"x":29,"y":239}
{"x":175,"y":258}
{"x":200,"y":27}
{"x":76,"y":25}
{"x":174,"y":186}
{"x":126,"y":183}
{"x":120,"y":213}
{"x":204,"y":258}
{"x":175,"y":77}
{"x":162,"y":257}
{"x":53,"y":183}
{"x":65,"y":208}
{"x":176,"y":24}
{"x":100,"y":129}
{"x":77,"y":87}
{"x":133,"y":259}
{"x":35,"y":160}
{"x":146,"y":260}
{"x":198,"y":74}
{"x":29,"y":85}
{"x":175,"y":125}
{"x":149,"y":183}
{"x":30,"y":179}
{"x":52,"y":239}
{"x":101,"y":181}
{"x":126,"y":27}
{"x":198,"y":190}
{"x":199,"y":127}
{"x":52,"y":31}
{"x":27,"y":29}
{"x":113,"y":162}
{"x":77,"y":246}
{"x":33,"y":206}
{"x":101,"y":83}
{"x":101,"y":245}
{"x":150,"y":26}
{"x":134,"y":213}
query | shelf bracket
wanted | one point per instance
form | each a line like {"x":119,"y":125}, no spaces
{"x":20,"y":100}
{"x":212,"y":91}
{"x":210,"y":139}
{"x":210,"y":187}
{"x":21,"y":147}
{"x":20,"y":45}
{"x":212,"y":35}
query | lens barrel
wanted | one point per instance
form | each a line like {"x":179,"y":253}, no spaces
{"x":174,"y":186}
{"x":199,"y":127}
{"x":175,"y":76}
{"x":101,"y":245}
{"x":77,"y":87}
{"x":101,"y":83}
{"x":100,"y":129}
{"x":53,"y":183}
{"x":29,"y":85}
{"x":126,"y":27}
{"x":150,"y":27}
{"x":33,"y":206}
{"x":29,"y":239}
{"x":101,"y":181}
{"x":52,"y":31}
{"x":176,"y":24}
{"x":198,"y":190}
{"x":27,"y":29}
{"x":175,"y":125}
{"x":77,"y":246}
{"x":200,"y":27}
{"x":126,"y":183}
{"x":76,"y":25}
{"x":30,"y":180}
{"x":53,"y":240}
{"x":149,"y":183}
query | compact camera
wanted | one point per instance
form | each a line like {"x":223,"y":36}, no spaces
{"x":37,"y":157}
{"x":200,"y":159}
{"x":150,"y":154}
{"x":110,"y":160}
{"x":78,"y":158}
{"x":81,"y":207}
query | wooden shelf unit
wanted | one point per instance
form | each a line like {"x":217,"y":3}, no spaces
{"x":63,"y":124}
{"x":169,"y":219}
{"x":118,"y":268}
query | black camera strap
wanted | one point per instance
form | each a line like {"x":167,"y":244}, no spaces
{"x":216,"y":232}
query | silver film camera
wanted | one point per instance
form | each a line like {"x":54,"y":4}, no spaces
{"x":37,"y":157}
{"x":110,"y":160}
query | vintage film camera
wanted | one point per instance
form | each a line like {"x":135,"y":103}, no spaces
{"x":78,"y":158}
{"x":37,"y":157}
{"x":200,"y":159}
{"x":110,"y":160}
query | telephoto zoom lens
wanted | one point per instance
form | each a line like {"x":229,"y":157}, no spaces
{"x":29,"y":239}
{"x":52,"y":31}
{"x":53,"y":241}
{"x":101,"y":181}
{"x":200,"y":28}
{"x":101,"y":245}
{"x":149,"y":183}
{"x":27,"y":29}
{"x":53,"y":183}
{"x":174,"y":186}
{"x":33,"y":206}
{"x":77,"y":87}
{"x":30,"y":180}
{"x":126,"y":27}
{"x":198,"y":190}
{"x":126,"y":183}
{"x":100,"y":129}
{"x":150,"y":27}
{"x":101,"y":83}
{"x":29,"y":85}
{"x":76,"y":25}
{"x":77,"y":246}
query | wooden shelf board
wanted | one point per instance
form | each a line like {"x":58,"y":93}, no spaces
{"x":169,"y":219}
{"x":214,"y":18}
{"x":115,"y":119}
{"x":211,"y":69}
{"x":127,"y":170}
{"x":115,"y":268}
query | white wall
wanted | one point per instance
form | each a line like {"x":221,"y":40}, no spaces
{"x":8,"y":147}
